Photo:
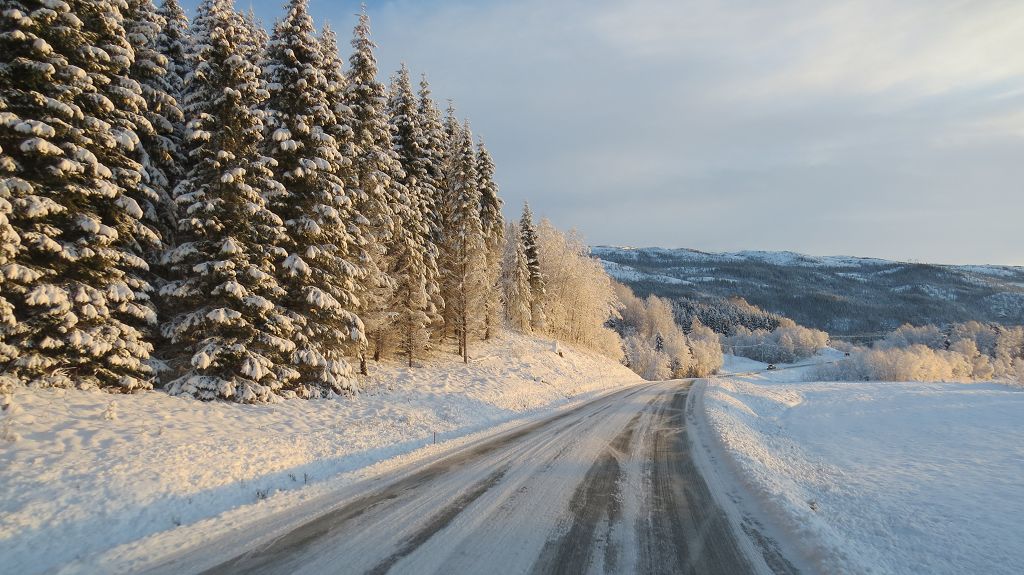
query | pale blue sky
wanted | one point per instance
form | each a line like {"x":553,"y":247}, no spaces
{"x":870,"y":128}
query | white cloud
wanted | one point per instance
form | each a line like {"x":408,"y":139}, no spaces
{"x":658,"y":121}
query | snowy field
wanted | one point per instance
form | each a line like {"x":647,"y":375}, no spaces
{"x":873,"y":477}
{"x":82,"y":473}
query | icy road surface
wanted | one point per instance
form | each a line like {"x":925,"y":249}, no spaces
{"x":608,"y":487}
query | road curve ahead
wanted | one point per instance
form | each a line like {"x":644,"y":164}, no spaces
{"x":608,"y":487}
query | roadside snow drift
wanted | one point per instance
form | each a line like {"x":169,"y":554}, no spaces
{"x":878,"y":477}
{"x":83,"y":472}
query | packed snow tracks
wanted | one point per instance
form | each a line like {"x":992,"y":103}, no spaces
{"x":608,"y":487}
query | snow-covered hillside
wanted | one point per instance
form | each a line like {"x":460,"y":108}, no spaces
{"x":841,"y":295}
{"x":83,"y":472}
{"x":874,"y":477}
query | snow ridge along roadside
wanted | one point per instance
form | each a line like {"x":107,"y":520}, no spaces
{"x":92,"y":474}
{"x":873,"y":477}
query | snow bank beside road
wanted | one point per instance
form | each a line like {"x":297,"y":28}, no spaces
{"x":878,"y":477}
{"x":91,"y":471}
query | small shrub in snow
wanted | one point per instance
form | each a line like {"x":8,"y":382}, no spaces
{"x":110,"y":414}
{"x":962,"y":352}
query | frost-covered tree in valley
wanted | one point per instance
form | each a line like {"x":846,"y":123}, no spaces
{"x":528,"y":237}
{"x":70,"y":190}
{"x":515,"y":281}
{"x":321,"y":268}
{"x":706,"y":347}
{"x":233,"y":337}
{"x":159,"y":150}
{"x":493,"y":225}
{"x":655,"y":346}
{"x":414,"y":255}
{"x":464,"y":250}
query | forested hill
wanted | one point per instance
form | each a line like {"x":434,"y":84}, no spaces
{"x":841,"y":295}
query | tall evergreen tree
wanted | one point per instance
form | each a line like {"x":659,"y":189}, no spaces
{"x":467,"y":265}
{"x":528,"y":237}
{"x":515,"y":280}
{"x":341,"y":125}
{"x":159,"y":150}
{"x":433,"y":184}
{"x":409,"y":303}
{"x":70,"y":190}
{"x":376,"y":171}
{"x":321,"y":269}
{"x":233,"y":337}
{"x":493,"y":225}
{"x":174,"y":43}
{"x":417,"y":275}
{"x":254,"y":42}
{"x":375,"y":164}
{"x":444,"y":209}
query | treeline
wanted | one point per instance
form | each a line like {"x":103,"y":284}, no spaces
{"x":235,"y":214}
{"x":970,"y":351}
{"x":725,"y":315}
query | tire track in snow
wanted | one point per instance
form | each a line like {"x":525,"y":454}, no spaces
{"x":596,"y":502}
{"x":547,"y":497}
{"x":680,"y":507}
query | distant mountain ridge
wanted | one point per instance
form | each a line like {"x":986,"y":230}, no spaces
{"x":840,"y":294}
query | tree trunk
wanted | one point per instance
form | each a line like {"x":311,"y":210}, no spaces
{"x":409,"y":342}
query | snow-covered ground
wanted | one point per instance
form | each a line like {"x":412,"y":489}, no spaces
{"x":82,"y":473}
{"x":872,"y":477}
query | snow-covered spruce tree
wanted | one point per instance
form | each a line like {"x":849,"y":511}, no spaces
{"x":444,"y":209}
{"x":159,"y":150}
{"x":254,"y":42}
{"x":340,"y":126}
{"x":174,"y":42}
{"x":72,"y":269}
{"x":493,"y":226}
{"x":414,"y":255}
{"x":320,"y":272}
{"x":466,"y":281}
{"x":433,"y":185}
{"x":515,"y":281}
{"x":233,"y":340}
{"x":127,"y":110}
{"x":376,"y":171}
{"x":528,"y":237}
{"x":409,"y":302}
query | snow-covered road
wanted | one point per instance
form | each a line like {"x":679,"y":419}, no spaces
{"x":608,"y":487}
